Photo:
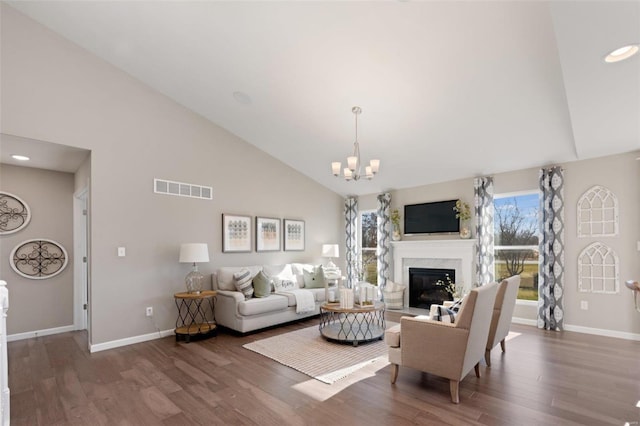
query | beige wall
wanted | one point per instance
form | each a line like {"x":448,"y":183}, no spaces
{"x":48,"y":303}
{"x":619,"y":173}
{"x":57,"y":92}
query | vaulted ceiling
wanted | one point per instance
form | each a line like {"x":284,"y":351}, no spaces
{"x":448,"y":89}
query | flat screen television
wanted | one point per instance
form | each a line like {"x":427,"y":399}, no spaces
{"x":431,"y":218}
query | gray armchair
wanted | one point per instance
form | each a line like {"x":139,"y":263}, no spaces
{"x":444,"y":349}
{"x":502,"y":314}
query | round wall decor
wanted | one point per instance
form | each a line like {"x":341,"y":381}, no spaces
{"x":14,"y":213}
{"x":38,"y":259}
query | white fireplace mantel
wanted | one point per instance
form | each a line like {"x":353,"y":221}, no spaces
{"x":455,"y":254}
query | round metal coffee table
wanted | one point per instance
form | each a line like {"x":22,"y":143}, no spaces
{"x":354,"y":325}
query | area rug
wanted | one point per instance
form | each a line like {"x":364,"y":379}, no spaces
{"x":307,"y":351}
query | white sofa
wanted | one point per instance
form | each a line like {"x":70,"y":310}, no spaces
{"x":234,"y":312}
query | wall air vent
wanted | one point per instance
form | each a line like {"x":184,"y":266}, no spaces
{"x":181,"y":189}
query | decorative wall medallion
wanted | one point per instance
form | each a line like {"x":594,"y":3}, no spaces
{"x":14,"y":213}
{"x":38,"y":259}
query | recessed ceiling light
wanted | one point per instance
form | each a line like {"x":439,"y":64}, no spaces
{"x":20,"y":157}
{"x":622,"y":53}
{"x":242,"y":97}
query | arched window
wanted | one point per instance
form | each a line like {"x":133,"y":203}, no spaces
{"x":598,"y":269}
{"x":598,"y":213}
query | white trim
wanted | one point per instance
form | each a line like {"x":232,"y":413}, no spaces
{"x":80,"y":269}
{"x":130,"y":340}
{"x":39,"y":333}
{"x":526,"y":302}
{"x":524,"y":321}
{"x":602,"y":332}
{"x":516,"y":193}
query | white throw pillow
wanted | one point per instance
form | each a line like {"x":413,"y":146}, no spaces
{"x":285,"y":284}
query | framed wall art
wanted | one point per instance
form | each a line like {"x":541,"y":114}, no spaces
{"x":293,"y":235}
{"x":267,"y":234}
{"x":236,"y":233}
{"x":14,"y":213}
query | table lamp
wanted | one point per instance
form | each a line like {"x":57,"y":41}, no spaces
{"x":194,"y":253}
{"x":330,"y":251}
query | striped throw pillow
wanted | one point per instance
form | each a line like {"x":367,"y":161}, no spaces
{"x":393,"y":299}
{"x":444,"y":315}
{"x":242,"y":281}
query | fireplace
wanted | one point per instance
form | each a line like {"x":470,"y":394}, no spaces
{"x":457,"y":254}
{"x":424,"y":289}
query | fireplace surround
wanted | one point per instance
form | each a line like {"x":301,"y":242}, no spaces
{"x":456,"y":254}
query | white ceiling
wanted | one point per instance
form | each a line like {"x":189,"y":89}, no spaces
{"x":448,"y":89}
{"x":43,"y":155}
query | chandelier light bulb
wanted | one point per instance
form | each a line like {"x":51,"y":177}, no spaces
{"x":335,"y":168}
{"x":368,"y":172}
{"x":352,"y":163}
{"x":375,"y":166}
{"x":348,"y":174}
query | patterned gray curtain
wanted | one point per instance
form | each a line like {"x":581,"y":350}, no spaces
{"x":351,"y":233}
{"x":483,"y":206}
{"x":551,"y":269}
{"x":384,"y":231}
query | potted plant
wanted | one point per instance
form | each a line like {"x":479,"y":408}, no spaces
{"x":463,"y":212}
{"x":395,"y":220}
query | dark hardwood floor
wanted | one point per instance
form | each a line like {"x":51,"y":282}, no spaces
{"x":545,"y":378}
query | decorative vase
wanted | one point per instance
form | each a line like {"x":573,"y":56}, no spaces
{"x":396,"y":235}
{"x":465,"y":229}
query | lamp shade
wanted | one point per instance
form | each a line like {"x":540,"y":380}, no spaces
{"x":194,"y":253}
{"x":330,"y":250}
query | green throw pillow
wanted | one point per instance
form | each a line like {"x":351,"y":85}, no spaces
{"x":261,"y":285}
{"x":314,"y":278}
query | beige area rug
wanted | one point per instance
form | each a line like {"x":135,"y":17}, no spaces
{"x":307,"y":351}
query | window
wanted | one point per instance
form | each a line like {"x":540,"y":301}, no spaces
{"x":516,"y":240}
{"x":368,"y":239}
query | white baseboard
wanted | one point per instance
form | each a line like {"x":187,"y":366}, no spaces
{"x":524,"y":321}
{"x":130,"y":340}
{"x":38,"y":333}
{"x":585,"y":330}
{"x":602,"y":332}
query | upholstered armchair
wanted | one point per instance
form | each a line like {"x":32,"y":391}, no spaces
{"x":502,"y":314}
{"x":444,"y":349}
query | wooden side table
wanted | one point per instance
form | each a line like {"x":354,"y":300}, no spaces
{"x":195,"y":315}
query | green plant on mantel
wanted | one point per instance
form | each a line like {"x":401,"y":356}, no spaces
{"x":463,"y":211}
{"x":395,"y":218}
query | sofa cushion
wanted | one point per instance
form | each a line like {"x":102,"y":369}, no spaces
{"x":261,"y":285}
{"x":225,"y":278}
{"x":243,"y":283}
{"x":314,"y":278}
{"x":262,"y":305}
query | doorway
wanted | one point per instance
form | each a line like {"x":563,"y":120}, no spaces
{"x":81,"y":260}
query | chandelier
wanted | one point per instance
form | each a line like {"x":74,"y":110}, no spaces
{"x":353,"y":170}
